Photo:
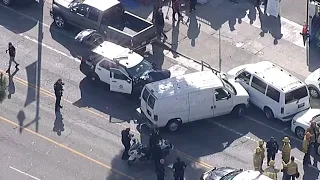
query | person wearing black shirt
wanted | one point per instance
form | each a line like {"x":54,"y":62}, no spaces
{"x":125,"y":139}
{"x":179,"y":167}
{"x":12,"y":53}
{"x":58,"y":88}
{"x":272,"y":149}
{"x":160,"y":170}
{"x":159,"y":22}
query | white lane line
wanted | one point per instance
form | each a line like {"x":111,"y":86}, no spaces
{"x":177,"y":70}
{"x":24,"y":173}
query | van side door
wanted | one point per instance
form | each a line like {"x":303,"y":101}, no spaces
{"x":200,"y":106}
{"x":223,"y":102}
{"x":257,"y":92}
{"x":119,"y":82}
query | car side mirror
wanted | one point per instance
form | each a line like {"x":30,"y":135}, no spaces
{"x":229,"y":96}
{"x":129,"y":81}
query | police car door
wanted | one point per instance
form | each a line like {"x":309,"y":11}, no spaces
{"x":119,"y":82}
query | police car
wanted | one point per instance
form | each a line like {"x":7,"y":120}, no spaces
{"x":121,"y":68}
{"x":228,"y":173}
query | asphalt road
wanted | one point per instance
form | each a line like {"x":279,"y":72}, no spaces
{"x":89,"y":147}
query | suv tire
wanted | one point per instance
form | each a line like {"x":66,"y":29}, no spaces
{"x":59,"y":21}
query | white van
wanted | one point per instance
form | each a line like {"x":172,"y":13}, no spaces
{"x":271,"y":88}
{"x":191,"y":97}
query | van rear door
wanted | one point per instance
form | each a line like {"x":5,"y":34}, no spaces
{"x":296,"y":101}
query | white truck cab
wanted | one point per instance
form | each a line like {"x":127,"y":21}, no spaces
{"x":191,"y":97}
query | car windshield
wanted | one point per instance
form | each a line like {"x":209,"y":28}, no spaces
{"x":229,"y":86}
{"x":140,"y":69}
{"x":231,"y":176}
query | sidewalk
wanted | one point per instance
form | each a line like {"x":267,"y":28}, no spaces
{"x":241,"y":37}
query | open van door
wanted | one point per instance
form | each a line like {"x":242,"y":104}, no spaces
{"x":120,"y":82}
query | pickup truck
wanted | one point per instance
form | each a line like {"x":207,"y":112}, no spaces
{"x":108,"y":17}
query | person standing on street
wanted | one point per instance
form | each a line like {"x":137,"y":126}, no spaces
{"x":176,"y":9}
{"x":286,"y":150}
{"x":179,"y":168}
{"x":262,"y":153}
{"x":305,"y":148}
{"x":58,"y":89}
{"x":160,"y":170}
{"x":271,"y":171}
{"x":257,"y":159}
{"x":159,"y":22}
{"x":12,"y":53}
{"x":272,"y":149}
{"x":291,"y":170}
{"x":314,"y":132}
{"x":192,"y":4}
{"x":125,"y":139}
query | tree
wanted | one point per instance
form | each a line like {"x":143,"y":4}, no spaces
{"x":3,"y":87}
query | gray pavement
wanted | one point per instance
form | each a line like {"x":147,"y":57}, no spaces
{"x":93,"y":117}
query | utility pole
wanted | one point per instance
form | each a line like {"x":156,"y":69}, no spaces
{"x":220,"y":60}
{"x":307,"y":24}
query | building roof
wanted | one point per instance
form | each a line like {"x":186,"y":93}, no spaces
{"x":112,"y":51}
{"x":101,"y":5}
{"x":184,"y":84}
{"x":274,"y":75}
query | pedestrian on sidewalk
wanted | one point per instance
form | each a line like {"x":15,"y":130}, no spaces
{"x":286,"y":150}
{"x":192,"y":5}
{"x":125,"y":139}
{"x":176,"y":9}
{"x":58,"y":89}
{"x":272,"y":149}
{"x":305,"y":148}
{"x":160,"y":170}
{"x":12,"y":53}
{"x":156,"y":5}
{"x":179,"y":168}
{"x":159,"y":22}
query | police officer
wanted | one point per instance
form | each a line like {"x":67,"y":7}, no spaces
{"x":286,"y":150}
{"x":271,"y":171}
{"x":160,"y":170}
{"x":291,"y":170}
{"x":179,"y":167}
{"x":58,"y":89}
{"x":305,"y":148}
{"x":262,"y":153}
{"x":125,"y":139}
{"x":154,"y":138}
{"x":257,"y":159}
{"x":314,"y":131}
{"x":272,"y":149}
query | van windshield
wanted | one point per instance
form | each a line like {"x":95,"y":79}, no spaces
{"x":229,"y":86}
{"x":296,"y":95}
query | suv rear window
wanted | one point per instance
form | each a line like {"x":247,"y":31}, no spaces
{"x":296,"y":95}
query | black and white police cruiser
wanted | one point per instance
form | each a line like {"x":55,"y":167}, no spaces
{"x":123,"y":69}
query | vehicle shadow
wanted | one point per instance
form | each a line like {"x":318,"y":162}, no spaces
{"x":18,"y":22}
{"x":98,"y":96}
{"x":314,"y":57}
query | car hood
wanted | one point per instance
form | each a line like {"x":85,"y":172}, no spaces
{"x":241,"y":91}
{"x":251,"y":175}
{"x":83,"y":34}
{"x":235,"y":71}
{"x":65,"y":3}
{"x":156,"y":75}
{"x":305,"y":117}
{"x":314,"y":76}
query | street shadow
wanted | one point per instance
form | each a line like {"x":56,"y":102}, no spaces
{"x":17,"y":22}
{"x":11,"y":86}
{"x":31,"y":70}
{"x":310,"y":172}
{"x":193,"y":29}
{"x":314,"y":57}
{"x":175,"y":37}
{"x":252,"y":14}
{"x":97,"y":96}
{"x":157,"y":55}
{"x":21,"y":117}
{"x":58,"y":125}
{"x":271,"y":25}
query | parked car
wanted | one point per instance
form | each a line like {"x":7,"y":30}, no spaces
{"x":191,"y":97}
{"x":313,"y":82}
{"x":275,"y":91}
{"x":228,"y":173}
{"x":121,"y":68}
{"x":302,"y":121}
{"x":12,"y":2}
{"x":107,"y":17}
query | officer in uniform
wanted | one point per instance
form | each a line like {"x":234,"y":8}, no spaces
{"x":272,"y":149}
{"x":305,"y":148}
{"x":271,"y":171}
{"x":286,"y":150}
{"x":58,"y":89}
{"x":257,"y":159}
{"x":291,"y":170}
{"x":179,"y":167}
{"x":125,"y":139}
{"x":262,"y":153}
{"x":314,"y":131}
{"x":160,"y":170}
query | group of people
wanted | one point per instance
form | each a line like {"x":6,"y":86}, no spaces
{"x":156,"y":154}
{"x":158,"y":17}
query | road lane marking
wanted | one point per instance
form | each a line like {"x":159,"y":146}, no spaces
{"x":68,"y":148}
{"x":24,"y":173}
{"x":50,"y":94}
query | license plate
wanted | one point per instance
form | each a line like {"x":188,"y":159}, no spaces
{"x":300,"y":105}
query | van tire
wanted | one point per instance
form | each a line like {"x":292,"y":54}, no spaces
{"x":173,"y":125}
{"x":313,"y":92}
{"x":239,"y":110}
{"x":268,"y":113}
{"x":300,"y":132}
{"x":59,"y":21}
